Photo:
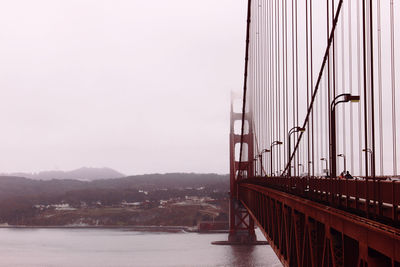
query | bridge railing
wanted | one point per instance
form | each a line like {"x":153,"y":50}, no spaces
{"x":376,"y":199}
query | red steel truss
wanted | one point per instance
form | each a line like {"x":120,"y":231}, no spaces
{"x":380,"y":200}
{"x":307,"y":233}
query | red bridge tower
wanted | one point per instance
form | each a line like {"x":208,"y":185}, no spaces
{"x":241,"y":224}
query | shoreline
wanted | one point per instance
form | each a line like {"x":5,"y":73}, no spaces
{"x":138,"y":228}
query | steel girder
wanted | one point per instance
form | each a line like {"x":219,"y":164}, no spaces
{"x":307,"y":233}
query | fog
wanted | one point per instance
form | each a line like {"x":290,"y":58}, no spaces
{"x":139,"y":86}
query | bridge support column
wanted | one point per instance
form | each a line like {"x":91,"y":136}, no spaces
{"x":241,"y":224}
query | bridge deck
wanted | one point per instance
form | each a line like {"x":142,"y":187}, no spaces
{"x":305,"y":231}
{"x":352,"y":195}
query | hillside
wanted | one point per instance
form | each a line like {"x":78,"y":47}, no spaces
{"x":29,"y":202}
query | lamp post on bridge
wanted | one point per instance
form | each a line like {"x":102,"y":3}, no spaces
{"x":261,"y":159}
{"x":293,"y":130}
{"x":326,"y":165}
{"x":302,"y":166}
{"x":332,"y":151}
{"x":255,"y":165}
{"x":272,"y":145}
{"x":344,"y":161}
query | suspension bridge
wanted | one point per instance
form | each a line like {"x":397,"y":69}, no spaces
{"x":313,"y":138}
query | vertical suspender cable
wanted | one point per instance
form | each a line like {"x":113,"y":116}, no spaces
{"x":329,"y":81}
{"x":275,"y":79}
{"x":351,"y":89}
{"x":378,"y":16}
{"x":286,"y":119}
{"x":343,"y":78}
{"x":333,"y":79}
{"x":365,"y":101}
{"x":308,"y":93}
{"x":286,"y":82}
{"x":293,"y":80}
{"x":258,"y":75}
{"x":278,"y":95}
{"x":295,"y":93}
{"x":272,"y":74}
{"x":260,"y":119}
{"x":372,"y":89}
{"x":312,"y":85}
{"x":297,"y":86}
{"x":269,"y":74}
{"x":333,"y":55}
{"x":278,"y":88}
{"x":284,"y":72}
{"x":393,"y":80}
{"x":359,"y":88}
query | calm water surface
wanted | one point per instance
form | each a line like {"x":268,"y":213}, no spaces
{"x":105,"y":247}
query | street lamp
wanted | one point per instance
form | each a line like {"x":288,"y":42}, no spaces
{"x":332,"y":136}
{"x":255,"y":165}
{"x":344,"y":161}
{"x":261,"y":159}
{"x":293,"y":130}
{"x":326,"y":165}
{"x":272,"y":145}
{"x":302,"y":166}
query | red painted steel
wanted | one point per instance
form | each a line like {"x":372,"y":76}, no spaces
{"x":313,"y":221}
{"x":241,"y":224}
{"x":306,"y":233}
{"x":382,"y":196}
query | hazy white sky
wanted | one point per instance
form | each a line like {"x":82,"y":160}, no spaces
{"x":139,"y":86}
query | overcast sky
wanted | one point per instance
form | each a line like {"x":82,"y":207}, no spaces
{"x":139,"y":86}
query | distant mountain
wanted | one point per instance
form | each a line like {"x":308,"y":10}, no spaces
{"x":20,"y":188}
{"x":83,"y":174}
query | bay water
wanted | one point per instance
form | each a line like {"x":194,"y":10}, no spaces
{"x":59,"y":247}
